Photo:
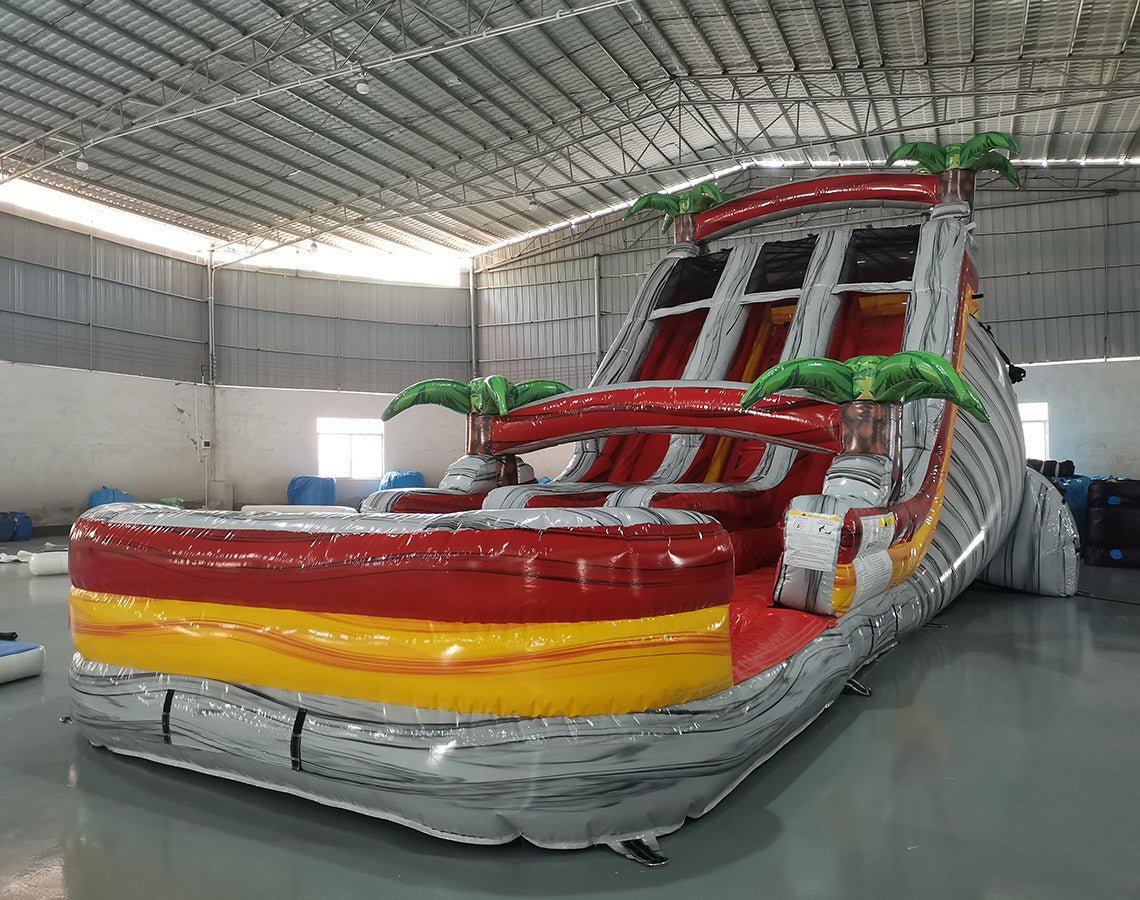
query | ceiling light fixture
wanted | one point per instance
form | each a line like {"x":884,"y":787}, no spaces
{"x":361,"y":86}
{"x":312,"y":246}
{"x":533,"y":204}
{"x":834,"y":157}
{"x":81,"y":163}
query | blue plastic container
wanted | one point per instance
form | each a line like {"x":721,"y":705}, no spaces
{"x":309,"y":490}
{"x":402,"y":480}
{"x":109,"y":495}
{"x":7,"y":528}
{"x":22,"y":523}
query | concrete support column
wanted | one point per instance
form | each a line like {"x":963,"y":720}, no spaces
{"x":599,"y":350}
{"x":472,"y":290}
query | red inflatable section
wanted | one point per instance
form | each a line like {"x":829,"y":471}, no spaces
{"x":634,"y":458}
{"x":672,"y":408}
{"x":839,"y":190}
{"x":462,"y":575}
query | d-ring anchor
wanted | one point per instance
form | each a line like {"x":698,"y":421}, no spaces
{"x":857,"y":688}
{"x":639,"y":851}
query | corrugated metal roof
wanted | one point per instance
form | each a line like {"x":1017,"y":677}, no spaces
{"x":468,"y":146}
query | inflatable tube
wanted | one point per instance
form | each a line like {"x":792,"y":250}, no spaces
{"x":53,"y":562}
{"x":20,"y":660}
{"x":293,"y":508}
{"x":1041,"y":554}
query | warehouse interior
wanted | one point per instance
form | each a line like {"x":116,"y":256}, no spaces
{"x":232,"y":232}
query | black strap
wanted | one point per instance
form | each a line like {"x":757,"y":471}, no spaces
{"x":166,"y":704}
{"x":295,"y":740}
{"x":1016,"y":373}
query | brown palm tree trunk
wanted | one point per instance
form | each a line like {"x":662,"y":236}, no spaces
{"x":685,"y":228}
{"x":956,"y":185}
{"x":508,"y":469}
{"x":478,"y":434}
{"x":872,"y":427}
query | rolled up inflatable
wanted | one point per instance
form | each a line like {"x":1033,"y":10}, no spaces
{"x":53,"y":562}
{"x":20,"y":660}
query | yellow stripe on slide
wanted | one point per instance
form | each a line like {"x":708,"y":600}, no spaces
{"x":540,"y":669}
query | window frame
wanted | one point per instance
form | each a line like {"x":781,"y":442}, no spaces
{"x":359,"y":433}
{"x":1035,"y":413}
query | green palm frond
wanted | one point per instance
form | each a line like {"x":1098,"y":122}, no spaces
{"x":905,"y":376}
{"x":993,"y":161}
{"x":863,"y":373}
{"x":454,"y":395}
{"x":979,"y":145}
{"x":666,"y":203}
{"x":827,"y":379}
{"x":697,"y":199}
{"x":860,"y":364}
{"x":916,"y":374}
{"x":537,"y":389}
{"x":929,"y":156}
{"x":701,"y":198}
{"x":493,"y":395}
{"x":714,"y":193}
{"x":953,"y":154}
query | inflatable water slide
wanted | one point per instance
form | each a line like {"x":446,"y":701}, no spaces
{"x":802,"y":445}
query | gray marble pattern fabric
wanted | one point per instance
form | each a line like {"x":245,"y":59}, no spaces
{"x":1041,"y":555}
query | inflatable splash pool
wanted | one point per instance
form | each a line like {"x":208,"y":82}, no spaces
{"x":799,"y":449}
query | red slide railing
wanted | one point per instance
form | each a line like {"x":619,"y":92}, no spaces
{"x":839,"y":190}
{"x":664,"y":409}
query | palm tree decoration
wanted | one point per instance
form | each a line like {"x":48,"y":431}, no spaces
{"x":905,"y":376}
{"x":870,"y":391}
{"x":490,"y":396}
{"x":978,"y":154}
{"x":681,"y":207}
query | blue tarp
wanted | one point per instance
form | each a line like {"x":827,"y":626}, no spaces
{"x":309,"y":490}
{"x":109,"y":495}
{"x":402,"y":480}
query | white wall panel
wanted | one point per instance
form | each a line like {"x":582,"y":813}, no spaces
{"x":75,"y":300}
{"x":1052,"y":267}
{"x":87,"y":429}
{"x":1088,"y":422}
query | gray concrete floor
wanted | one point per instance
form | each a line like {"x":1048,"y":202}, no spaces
{"x":998,"y":757}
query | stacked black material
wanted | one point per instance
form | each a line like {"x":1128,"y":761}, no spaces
{"x":1114,"y":524}
{"x":1052,"y":468}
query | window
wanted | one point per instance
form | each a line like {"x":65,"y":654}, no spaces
{"x":350,"y":448}
{"x":881,"y":255}
{"x":1035,"y":424}
{"x":781,"y":266}
{"x":691,"y":280}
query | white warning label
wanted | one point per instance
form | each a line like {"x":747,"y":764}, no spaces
{"x":811,"y":540}
{"x":878,"y":532}
{"x":872,"y":574}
